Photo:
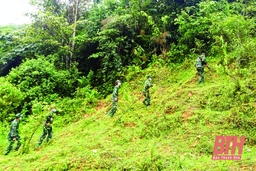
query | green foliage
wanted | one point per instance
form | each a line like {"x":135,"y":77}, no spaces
{"x":51,"y":34}
{"x":89,"y":95}
{"x":8,"y":46}
{"x":6,"y":41}
{"x":39,"y":80}
{"x":120,"y":41}
{"x":176,"y":132}
{"x":10,"y":99}
{"x":113,"y":50}
{"x":156,"y":31}
{"x":207,"y":26}
{"x":73,"y":109}
{"x":194,"y":24}
{"x":132,"y":72}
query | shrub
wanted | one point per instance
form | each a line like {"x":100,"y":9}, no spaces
{"x":39,"y":80}
{"x":10,"y":99}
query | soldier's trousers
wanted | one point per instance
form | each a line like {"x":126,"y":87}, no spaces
{"x":146,"y":101}
{"x":47,"y":131}
{"x":11,"y":142}
{"x":201,"y":73}
{"x":114,"y":109}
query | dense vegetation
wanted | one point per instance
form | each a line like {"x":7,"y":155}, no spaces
{"x":70,"y":56}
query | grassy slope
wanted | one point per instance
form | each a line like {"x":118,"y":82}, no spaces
{"x":176,"y":132}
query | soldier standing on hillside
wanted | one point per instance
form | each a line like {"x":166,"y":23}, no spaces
{"x":145,"y":91}
{"x":13,"y":135}
{"x":114,"y":98}
{"x":200,"y":64}
{"x":47,"y":127}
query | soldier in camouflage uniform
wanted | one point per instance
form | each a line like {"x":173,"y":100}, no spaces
{"x":145,"y":91}
{"x":47,"y":127}
{"x":200,"y":64}
{"x":13,"y":135}
{"x":114,"y":98}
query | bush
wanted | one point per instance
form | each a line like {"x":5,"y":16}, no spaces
{"x":39,"y":80}
{"x":10,"y":99}
{"x":89,"y":95}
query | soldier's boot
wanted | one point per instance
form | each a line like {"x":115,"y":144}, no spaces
{"x":112,"y":111}
{"x":9,"y":148}
{"x":110,"y":114}
{"x":145,"y":102}
{"x":40,"y":143}
{"x":48,"y":141}
{"x":18,"y":146}
{"x":200,"y":80}
{"x":6,"y":152}
{"x":49,"y":137}
{"x":42,"y":137}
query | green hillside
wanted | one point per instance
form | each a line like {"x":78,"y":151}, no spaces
{"x":73,"y":52}
{"x":177,"y":132}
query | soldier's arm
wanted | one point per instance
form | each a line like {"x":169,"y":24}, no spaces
{"x":204,"y":62}
{"x":115,"y":93}
{"x":115,"y":96}
{"x":150,"y":84}
{"x":145,"y":86}
{"x":48,"y":118}
{"x":14,"y":131}
{"x":44,"y":124}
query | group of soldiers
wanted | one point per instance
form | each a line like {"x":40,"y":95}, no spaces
{"x":47,"y":126}
{"x":13,"y":134}
{"x":145,"y":92}
{"x":199,"y":65}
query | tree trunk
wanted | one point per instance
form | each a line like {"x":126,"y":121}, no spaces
{"x":75,"y":11}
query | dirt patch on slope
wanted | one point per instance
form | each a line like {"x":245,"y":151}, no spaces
{"x":170,"y":110}
{"x":187,"y":114}
{"x":130,"y":124}
{"x":101,"y":105}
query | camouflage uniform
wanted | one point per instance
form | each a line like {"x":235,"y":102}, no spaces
{"x":145,"y":91}
{"x":47,"y":128}
{"x":14,"y":134}
{"x":200,"y":64}
{"x":114,"y":99}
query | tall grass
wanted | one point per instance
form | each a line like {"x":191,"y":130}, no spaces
{"x":176,"y":132}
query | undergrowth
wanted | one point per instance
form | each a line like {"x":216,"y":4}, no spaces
{"x":177,"y":132}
